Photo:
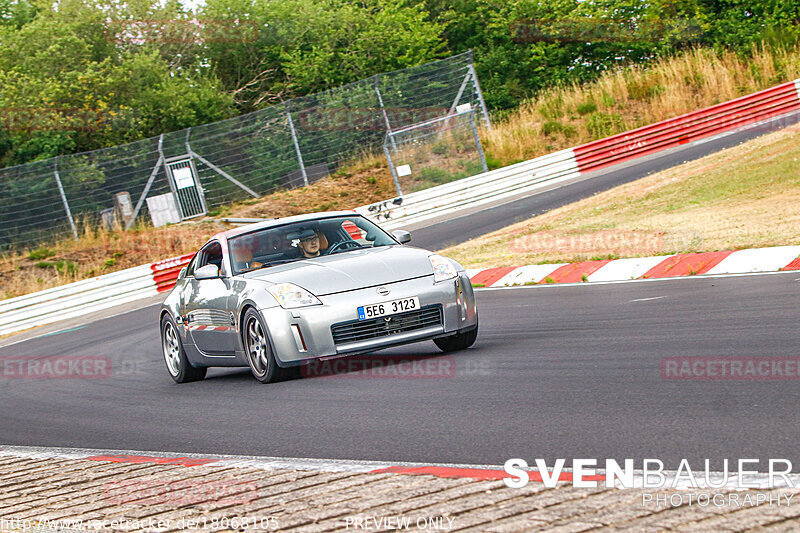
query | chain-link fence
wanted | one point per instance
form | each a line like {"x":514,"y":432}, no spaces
{"x":182,"y":174}
{"x":435,"y":151}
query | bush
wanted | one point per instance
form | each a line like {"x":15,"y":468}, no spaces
{"x":586,"y":108}
{"x":41,"y":253}
{"x":644,"y":90}
{"x":553,"y":126}
{"x":604,"y":124}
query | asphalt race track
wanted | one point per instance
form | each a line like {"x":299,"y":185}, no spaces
{"x":456,"y":229}
{"x":556,"y":372}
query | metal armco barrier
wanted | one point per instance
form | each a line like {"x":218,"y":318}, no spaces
{"x":88,"y":296}
{"x":76,"y":299}
{"x":165,"y":273}
{"x":690,"y":127}
{"x":473,"y":191}
{"x":566,"y":164}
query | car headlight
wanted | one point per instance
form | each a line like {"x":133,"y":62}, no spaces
{"x":290,"y":296}
{"x":443,"y":269}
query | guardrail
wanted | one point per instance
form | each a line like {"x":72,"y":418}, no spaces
{"x":88,"y":296}
{"x":473,"y":191}
{"x":690,"y":127}
{"x":566,"y":164}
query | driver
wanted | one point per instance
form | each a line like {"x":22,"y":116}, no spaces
{"x":243,"y":251}
{"x":310,"y":246}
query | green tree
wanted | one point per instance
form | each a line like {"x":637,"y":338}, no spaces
{"x":69,"y":85}
{"x":275,"y":50}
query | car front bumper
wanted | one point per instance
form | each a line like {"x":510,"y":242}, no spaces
{"x":302,"y":334}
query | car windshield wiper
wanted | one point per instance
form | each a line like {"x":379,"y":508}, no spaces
{"x":271,"y":263}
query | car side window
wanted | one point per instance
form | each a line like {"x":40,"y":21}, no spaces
{"x":192,"y":265}
{"x":211,"y":255}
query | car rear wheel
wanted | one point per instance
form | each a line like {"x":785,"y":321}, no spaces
{"x":178,"y":366}
{"x":459,"y":341}
{"x":259,"y":353}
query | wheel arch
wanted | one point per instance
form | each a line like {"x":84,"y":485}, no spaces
{"x":242,"y":313}
{"x":164,"y":312}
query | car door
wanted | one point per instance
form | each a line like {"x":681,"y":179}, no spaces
{"x":204,"y":305}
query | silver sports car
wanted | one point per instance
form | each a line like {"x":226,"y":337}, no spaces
{"x":280,"y":293}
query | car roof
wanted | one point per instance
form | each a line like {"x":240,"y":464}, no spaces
{"x":228,"y":234}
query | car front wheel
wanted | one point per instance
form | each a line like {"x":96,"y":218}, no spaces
{"x":459,"y":341}
{"x":259,"y":353}
{"x":178,"y":366}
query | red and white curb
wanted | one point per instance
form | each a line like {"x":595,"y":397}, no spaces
{"x":754,"y":260}
{"x":776,"y":103}
{"x":667,"y":479}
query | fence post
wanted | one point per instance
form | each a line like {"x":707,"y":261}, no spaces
{"x":385,"y":115}
{"x":192,"y":154}
{"x":297,"y":145}
{"x":478,"y":142}
{"x":64,"y":198}
{"x":460,"y":92}
{"x":171,"y":181}
{"x":152,"y":178}
{"x":391,"y":167}
{"x":479,"y":93}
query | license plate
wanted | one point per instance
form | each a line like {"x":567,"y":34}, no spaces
{"x":388,"y":308}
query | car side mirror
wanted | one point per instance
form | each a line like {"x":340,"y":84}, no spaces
{"x":207,"y":272}
{"x":182,"y":273}
{"x":402,"y":236}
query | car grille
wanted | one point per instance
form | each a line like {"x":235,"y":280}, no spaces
{"x":373,"y":328}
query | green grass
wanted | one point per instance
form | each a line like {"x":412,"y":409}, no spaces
{"x":743,"y":197}
{"x":41,"y":253}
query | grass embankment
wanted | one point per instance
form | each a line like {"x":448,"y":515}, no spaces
{"x":743,"y":197}
{"x":630,"y":98}
{"x":556,"y":119}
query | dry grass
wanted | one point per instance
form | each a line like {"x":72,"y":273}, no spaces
{"x":557,"y":119}
{"x":97,"y":252}
{"x":365,"y":181}
{"x":627,"y":99}
{"x":743,"y":197}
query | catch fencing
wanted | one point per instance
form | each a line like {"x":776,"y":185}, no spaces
{"x":184,"y":174}
{"x":781,"y":102}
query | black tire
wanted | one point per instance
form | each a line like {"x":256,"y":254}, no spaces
{"x":178,"y":366}
{"x":258,"y":349}
{"x":459,"y":341}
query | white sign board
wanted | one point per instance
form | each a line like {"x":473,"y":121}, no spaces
{"x":463,"y":108}
{"x":183,"y":177}
{"x":403,"y":170}
{"x":162,"y":210}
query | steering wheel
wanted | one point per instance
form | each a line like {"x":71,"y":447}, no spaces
{"x":343,"y":245}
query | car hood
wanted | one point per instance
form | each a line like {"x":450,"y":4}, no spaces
{"x":346,"y":271}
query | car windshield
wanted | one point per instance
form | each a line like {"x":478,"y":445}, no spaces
{"x":305,"y":240}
